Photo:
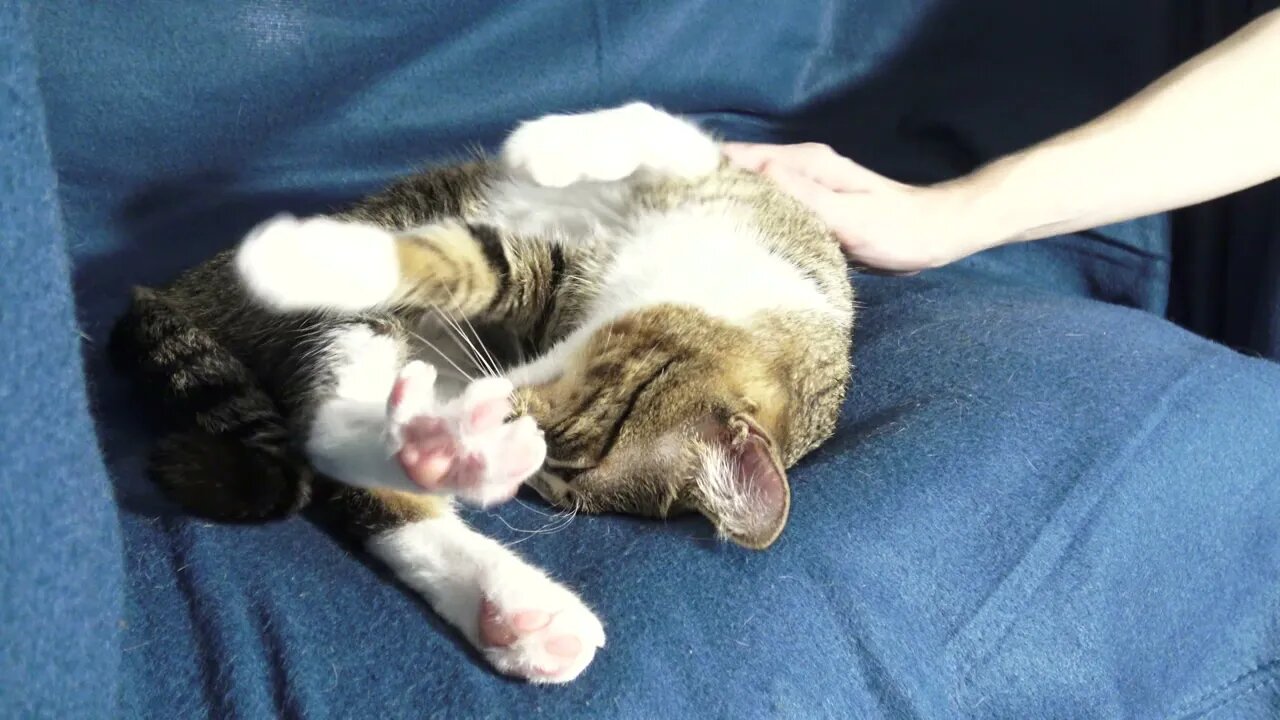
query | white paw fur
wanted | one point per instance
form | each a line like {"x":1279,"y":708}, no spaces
{"x":609,"y":145}
{"x":459,"y":571}
{"x":318,"y":264}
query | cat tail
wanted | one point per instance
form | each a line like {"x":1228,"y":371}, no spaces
{"x":230,"y":457}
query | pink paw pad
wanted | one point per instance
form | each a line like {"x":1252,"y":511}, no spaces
{"x":464,"y":446}
{"x":551,"y":650}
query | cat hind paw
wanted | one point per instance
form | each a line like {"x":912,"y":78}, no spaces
{"x":465,"y":447}
{"x":609,"y":145}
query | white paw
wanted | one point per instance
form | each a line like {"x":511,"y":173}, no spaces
{"x":609,"y":145}
{"x":318,"y":263}
{"x":464,"y":447}
{"x":534,"y":628}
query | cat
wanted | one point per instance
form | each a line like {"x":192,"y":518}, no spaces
{"x":688,"y":329}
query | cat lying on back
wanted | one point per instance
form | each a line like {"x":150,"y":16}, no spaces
{"x":687,"y":326}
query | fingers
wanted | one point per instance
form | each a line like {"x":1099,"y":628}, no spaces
{"x":879,"y":222}
{"x":815,"y":161}
{"x":835,"y":209}
{"x":827,"y":203}
{"x":750,"y":156}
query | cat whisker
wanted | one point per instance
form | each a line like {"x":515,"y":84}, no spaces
{"x":488,"y":362}
{"x":453,"y":322}
{"x":455,"y":335}
{"x":543,"y":513}
{"x":460,"y":336}
{"x":492,"y":362}
{"x":556,"y":522}
{"x":442,"y":354}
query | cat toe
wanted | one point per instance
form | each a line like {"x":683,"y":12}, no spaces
{"x":526,"y":449}
{"x":501,"y":454}
{"x":486,"y":403}
{"x":425,"y":445}
{"x":413,"y":394}
{"x":427,"y":453}
{"x":500,"y":460}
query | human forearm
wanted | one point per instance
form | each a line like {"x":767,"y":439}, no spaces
{"x":1208,"y":128}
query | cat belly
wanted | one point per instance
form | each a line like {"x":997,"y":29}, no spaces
{"x":710,"y":257}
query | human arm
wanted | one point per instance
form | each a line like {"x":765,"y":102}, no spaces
{"x":1208,"y":128}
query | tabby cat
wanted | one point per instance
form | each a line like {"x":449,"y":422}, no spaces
{"x":678,"y":332}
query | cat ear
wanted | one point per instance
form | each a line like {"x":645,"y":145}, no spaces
{"x":741,"y":487}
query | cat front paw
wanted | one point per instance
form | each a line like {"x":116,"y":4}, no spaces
{"x":534,"y":628}
{"x":465,"y":447}
{"x":608,"y":145}
{"x":317,"y":263}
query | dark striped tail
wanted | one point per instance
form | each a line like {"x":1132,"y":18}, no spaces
{"x":229,"y":456}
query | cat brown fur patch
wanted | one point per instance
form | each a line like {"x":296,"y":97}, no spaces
{"x":628,"y":422}
{"x":367,"y":512}
{"x":445,"y":266}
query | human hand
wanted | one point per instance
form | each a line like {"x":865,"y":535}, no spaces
{"x":881,"y":223}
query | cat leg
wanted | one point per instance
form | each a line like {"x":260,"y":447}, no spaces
{"x":380,"y":425}
{"x":524,"y":623}
{"x":322,"y":263}
{"x":464,"y":271}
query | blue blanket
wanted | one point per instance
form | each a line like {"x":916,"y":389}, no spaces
{"x":1043,"y":500}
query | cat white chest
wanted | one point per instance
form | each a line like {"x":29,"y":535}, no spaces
{"x":710,"y":257}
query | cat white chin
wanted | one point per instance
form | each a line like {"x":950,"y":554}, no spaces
{"x":318,"y":263}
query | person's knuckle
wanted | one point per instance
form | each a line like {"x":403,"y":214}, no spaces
{"x":815,"y":149}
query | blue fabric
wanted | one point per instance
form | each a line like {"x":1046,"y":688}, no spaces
{"x":1038,"y":504}
{"x":60,"y":561}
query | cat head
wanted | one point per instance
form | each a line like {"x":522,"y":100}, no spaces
{"x":664,"y":412}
